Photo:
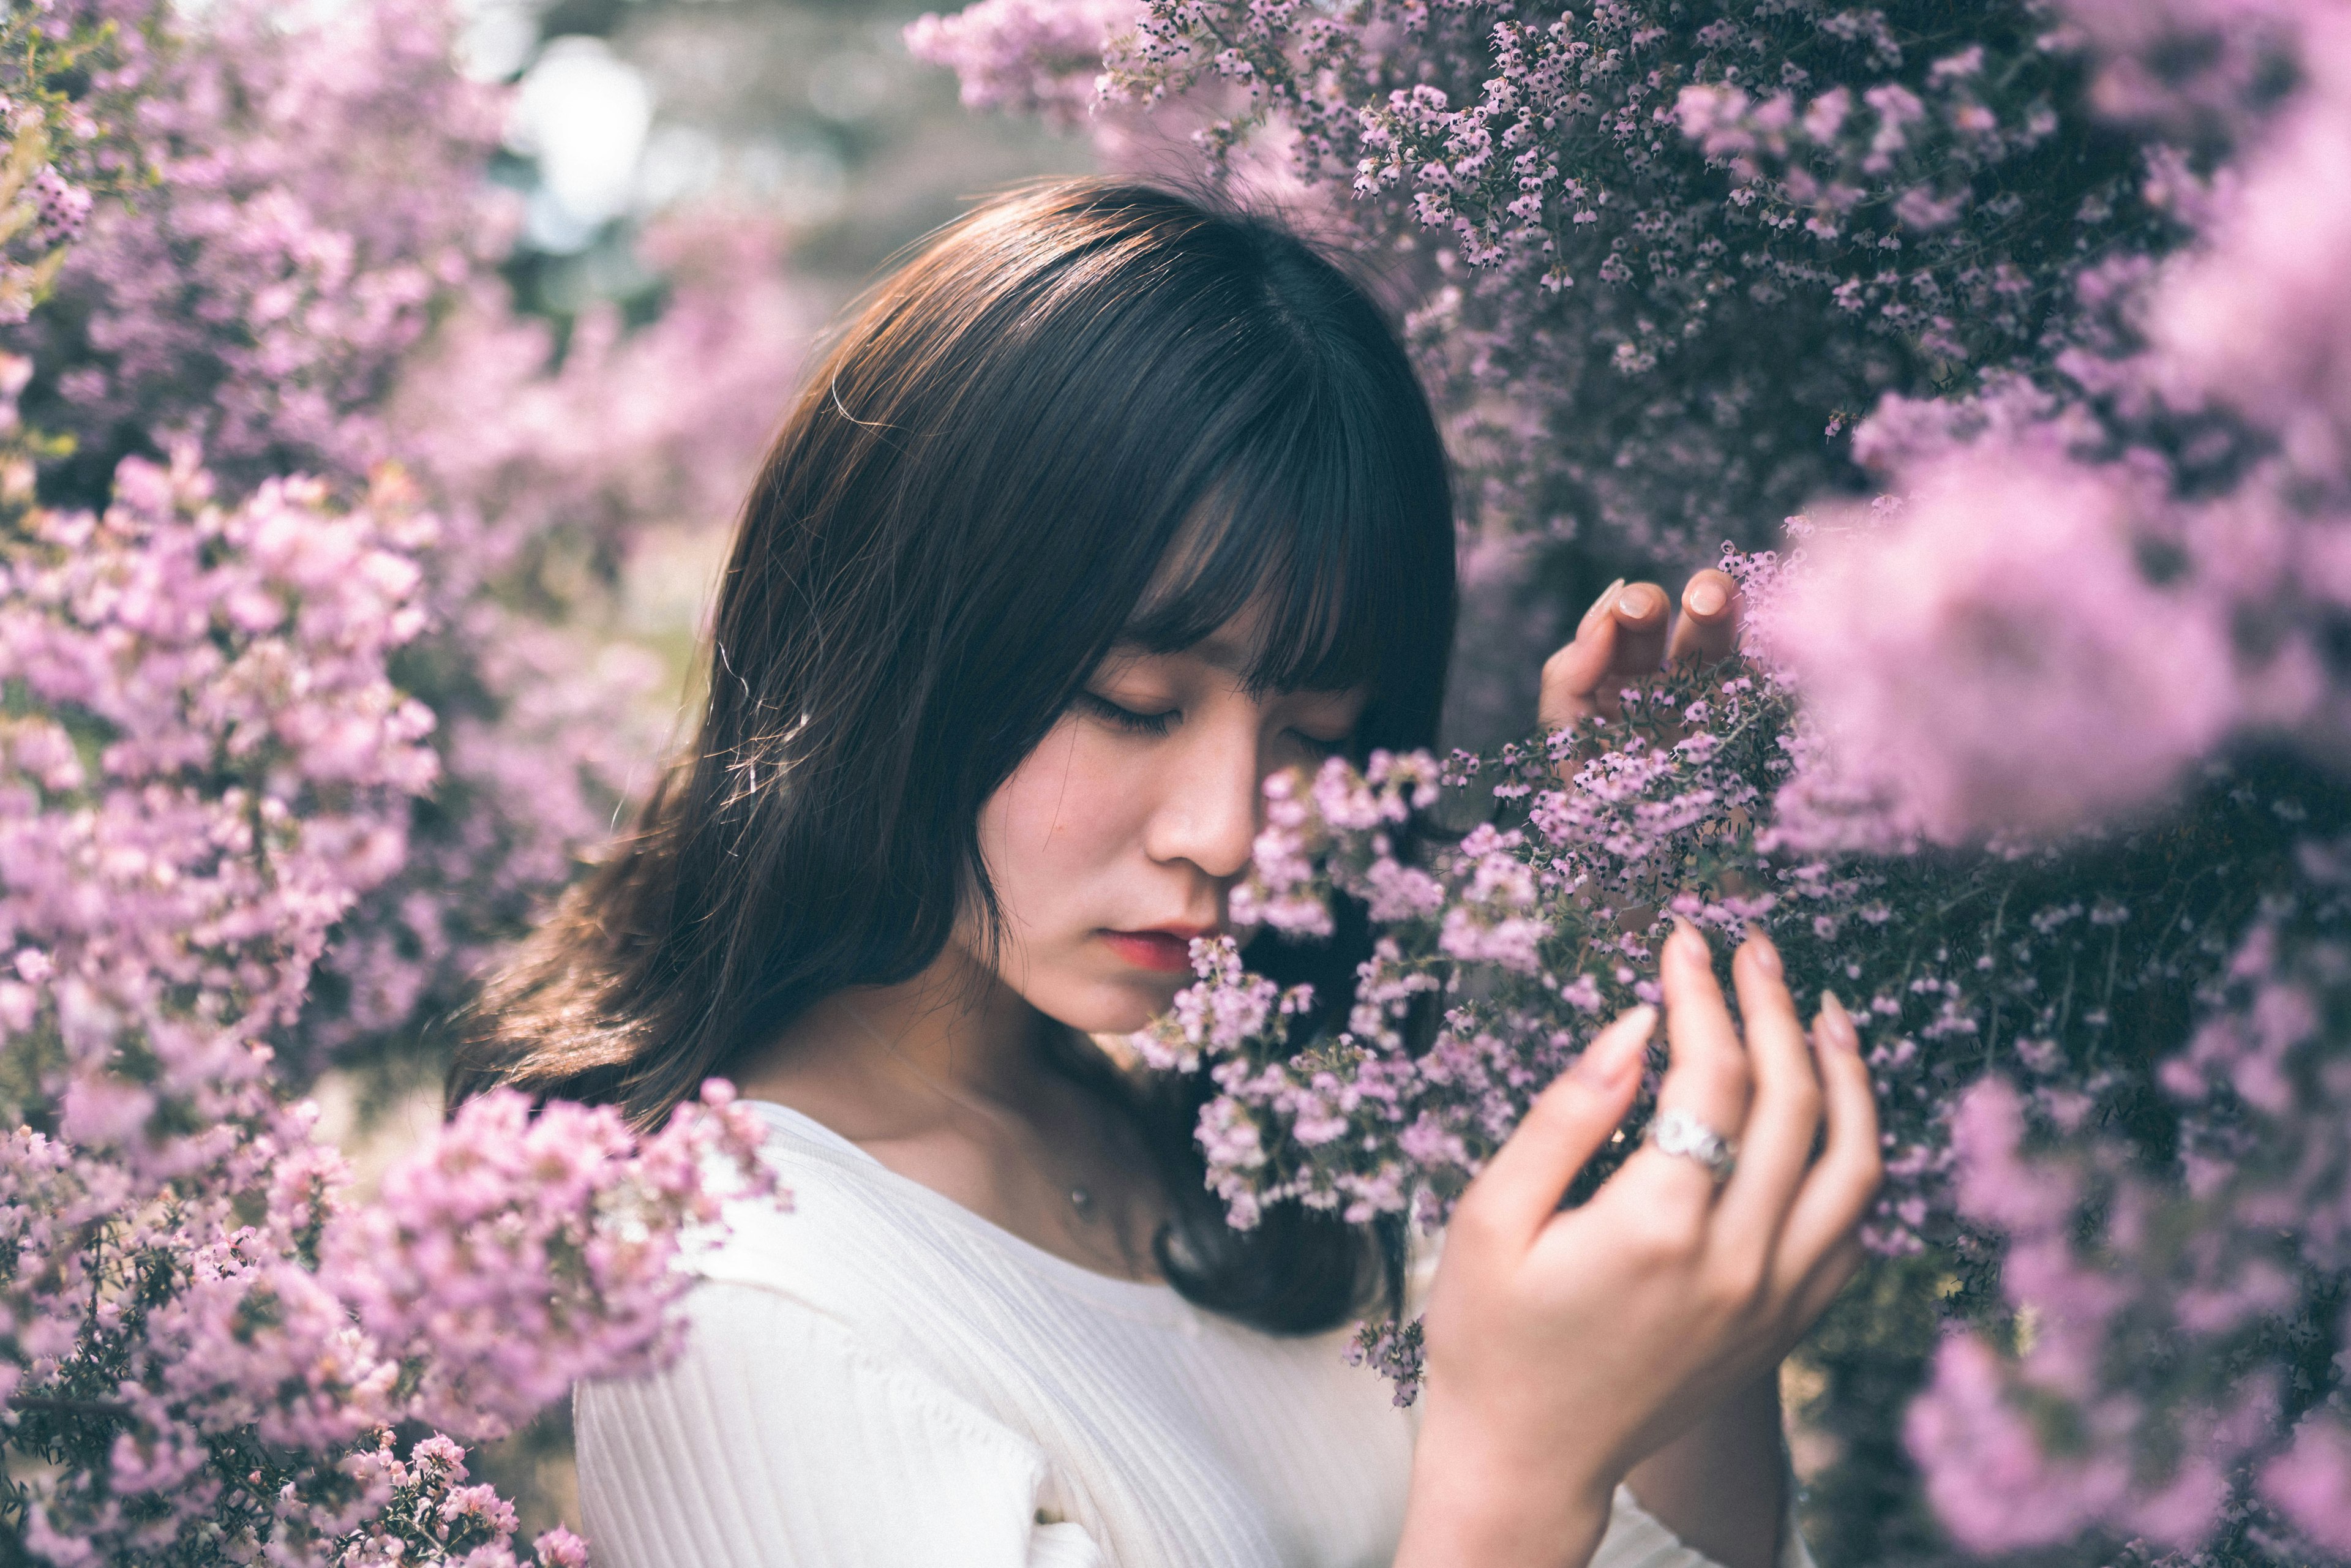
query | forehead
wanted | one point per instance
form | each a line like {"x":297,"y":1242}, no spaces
{"x":1241,"y":648}
{"x":1262,"y":609}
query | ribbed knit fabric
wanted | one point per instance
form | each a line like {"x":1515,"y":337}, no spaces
{"x":880,"y":1378}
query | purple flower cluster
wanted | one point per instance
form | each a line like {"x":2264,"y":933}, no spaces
{"x":210,"y":764}
{"x":214,"y":1389}
{"x":1393,"y":1351}
{"x":205,"y":765}
{"x":1503,"y":948}
{"x":2100,"y":591}
{"x":2227,"y":1277}
{"x":257,"y":296}
{"x":281,"y":300}
{"x":1028,"y":57}
{"x":520,"y":1249}
{"x":64,"y":79}
{"x":545,"y":476}
{"x":1618,"y":215}
{"x":297,"y":720}
{"x":423,"y":1512}
{"x":2093,"y":588}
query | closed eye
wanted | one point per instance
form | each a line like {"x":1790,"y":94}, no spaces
{"x":1318,"y":746}
{"x":1126,"y":718}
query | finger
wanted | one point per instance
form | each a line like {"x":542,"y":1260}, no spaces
{"x":1707,"y":630}
{"x":1777,"y":1142}
{"x":1519,"y":1189}
{"x":1843,"y":1183}
{"x":1575,"y":683}
{"x":1708,"y":1076}
{"x":1641,"y":614}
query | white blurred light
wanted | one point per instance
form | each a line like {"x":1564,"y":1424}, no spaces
{"x":803,"y":182}
{"x":679,"y":161}
{"x":848,"y":88}
{"x":582,"y":112}
{"x":496,"y":39}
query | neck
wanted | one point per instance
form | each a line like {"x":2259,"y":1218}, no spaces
{"x":942,"y":1081}
{"x":954,"y":1030}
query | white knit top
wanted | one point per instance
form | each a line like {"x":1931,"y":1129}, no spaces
{"x":880,"y":1378}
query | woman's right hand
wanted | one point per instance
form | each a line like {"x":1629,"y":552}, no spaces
{"x":1564,"y":1345}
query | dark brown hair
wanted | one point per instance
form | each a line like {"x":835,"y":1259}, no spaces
{"x":980,"y":489}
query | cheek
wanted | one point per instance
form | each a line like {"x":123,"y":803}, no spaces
{"x":1066,"y":819}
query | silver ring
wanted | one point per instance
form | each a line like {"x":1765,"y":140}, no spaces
{"x":1679,"y":1132}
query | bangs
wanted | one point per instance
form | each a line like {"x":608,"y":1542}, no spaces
{"x":1336,"y":544}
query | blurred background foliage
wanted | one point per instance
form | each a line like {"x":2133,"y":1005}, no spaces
{"x":812,"y":113}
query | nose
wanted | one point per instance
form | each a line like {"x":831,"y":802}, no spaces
{"x":1209,"y":802}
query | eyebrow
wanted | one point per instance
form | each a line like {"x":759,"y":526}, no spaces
{"x":1220,"y":654}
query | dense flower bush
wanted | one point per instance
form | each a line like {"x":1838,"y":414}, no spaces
{"x":2037,"y":759}
{"x":1662,"y":247}
{"x":1999,"y":991}
{"x":311,"y":287}
{"x":302,"y":535}
{"x":206,"y":764}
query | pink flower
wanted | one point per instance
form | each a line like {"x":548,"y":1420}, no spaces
{"x":2310,"y":1481}
{"x":1032,"y":57}
{"x":1997,"y":656}
{"x":1991,"y":1484}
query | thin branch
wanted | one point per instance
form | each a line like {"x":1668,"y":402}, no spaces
{"x":68,"y":1406}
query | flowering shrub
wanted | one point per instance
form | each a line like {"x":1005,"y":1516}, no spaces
{"x":205,"y":765}
{"x":1030,"y":56}
{"x":2036,"y":760}
{"x":544,"y":477}
{"x":2057,"y":969}
{"x":2189,"y":483}
{"x":1663,"y":248}
{"x":311,"y":287}
{"x":192,"y":1388}
{"x":293,"y":721}
{"x":260,"y":296}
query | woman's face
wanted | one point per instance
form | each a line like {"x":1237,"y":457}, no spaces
{"x":1118,"y":839}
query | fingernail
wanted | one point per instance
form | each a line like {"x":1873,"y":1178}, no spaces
{"x":1634,"y":605}
{"x":1767,"y":956}
{"x":1706,"y":598}
{"x":1599,"y":606}
{"x":1836,"y":1024}
{"x":1607,"y":1064}
{"x":1692,"y":938}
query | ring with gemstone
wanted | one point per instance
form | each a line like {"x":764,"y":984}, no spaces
{"x":1679,"y":1132}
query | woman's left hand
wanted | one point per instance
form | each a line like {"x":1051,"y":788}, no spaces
{"x":1628,"y":634}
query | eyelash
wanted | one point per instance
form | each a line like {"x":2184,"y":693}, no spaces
{"x":1126,"y":718}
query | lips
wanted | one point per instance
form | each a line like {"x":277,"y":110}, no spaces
{"x":1166,"y":951}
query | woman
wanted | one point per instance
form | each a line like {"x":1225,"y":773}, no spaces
{"x":1104,"y":508}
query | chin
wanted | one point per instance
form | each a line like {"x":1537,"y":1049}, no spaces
{"x":1120,"y":1008}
